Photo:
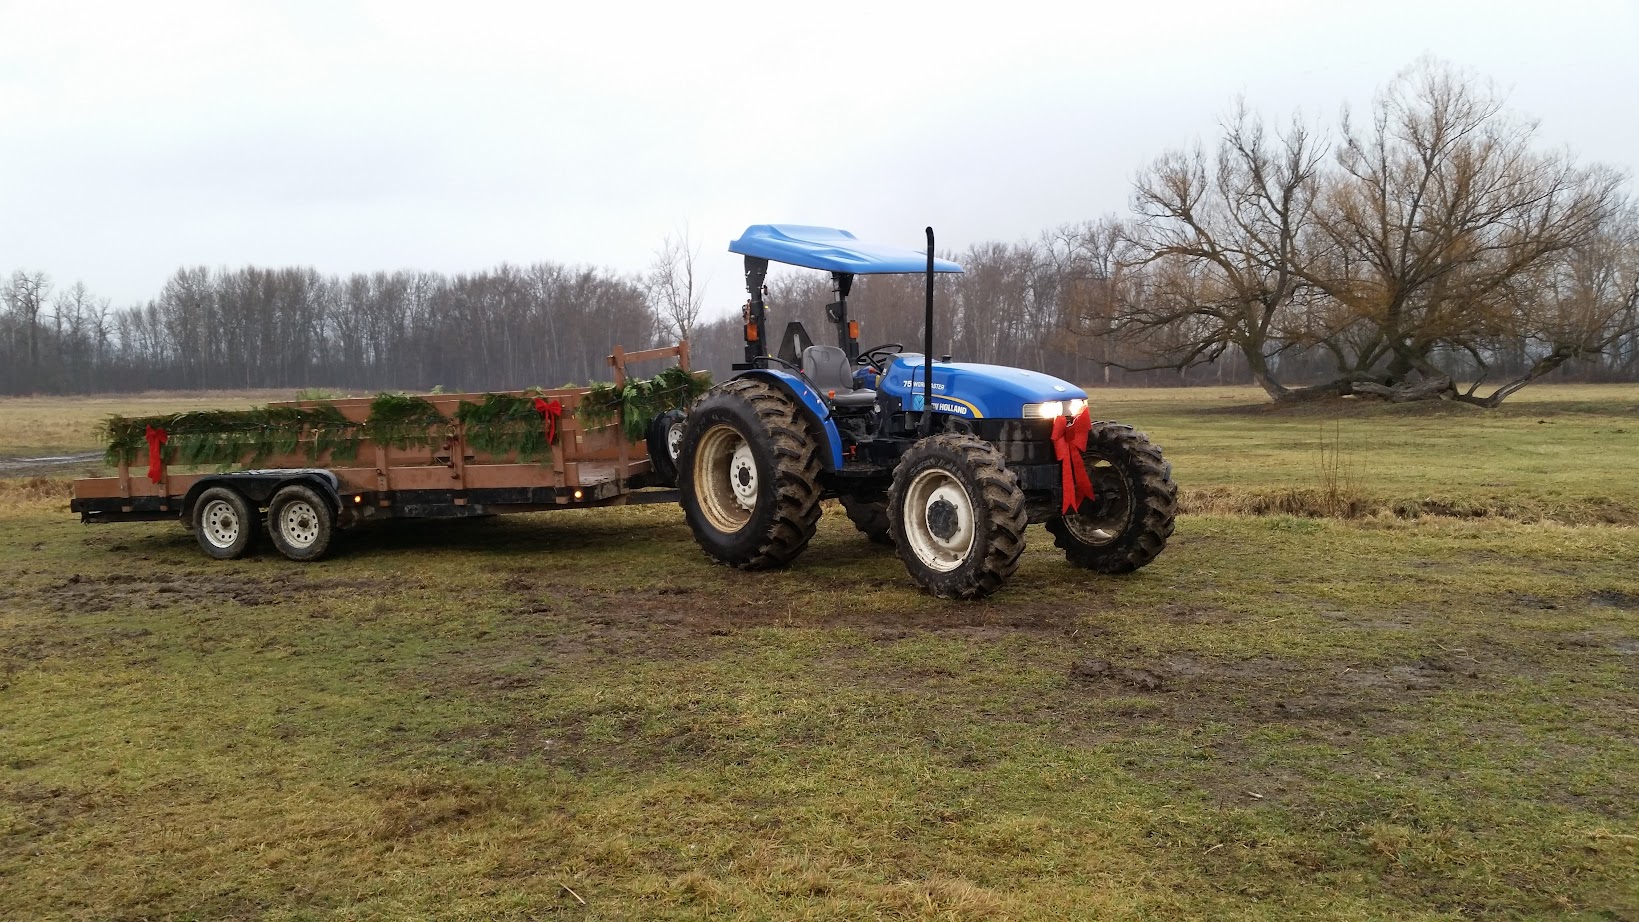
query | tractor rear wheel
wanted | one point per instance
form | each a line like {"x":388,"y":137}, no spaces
{"x":957,"y":516}
{"x":1130,"y":517}
{"x":748,"y":473}
{"x":871,"y":518}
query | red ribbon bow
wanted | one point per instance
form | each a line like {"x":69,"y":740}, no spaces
{"x":1069,"y":441}
{"x":550,"y":412}
{"x":156,"y":453}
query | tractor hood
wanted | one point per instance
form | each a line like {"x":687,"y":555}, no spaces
{"x":972,"y":390}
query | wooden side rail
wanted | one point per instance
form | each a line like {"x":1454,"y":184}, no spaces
{"x":620,"y":357}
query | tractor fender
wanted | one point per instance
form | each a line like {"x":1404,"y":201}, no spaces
{"x":811,"y":406}
{"x":259,"y":486}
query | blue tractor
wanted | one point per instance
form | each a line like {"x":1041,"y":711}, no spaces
{"x":948,"y":467}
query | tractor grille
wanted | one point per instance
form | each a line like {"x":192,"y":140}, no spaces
{"x":1021,"y":441}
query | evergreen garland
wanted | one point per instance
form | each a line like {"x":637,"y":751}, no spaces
{"x":223,"y":437}
{"x":403,"y":420}
{"x":498,"y":425}
{"x":505,"y":423}
{"x":641,"y":400}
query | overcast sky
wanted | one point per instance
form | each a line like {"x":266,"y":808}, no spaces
{"x":354,"y":136}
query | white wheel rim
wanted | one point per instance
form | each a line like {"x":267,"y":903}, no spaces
{"x":674,"y":440}
{"x":219,"y":523}
{"x":725,"y":478}
{"x":299,"y":523}
{"x":939,"y":524}
{"x":742,"y":477}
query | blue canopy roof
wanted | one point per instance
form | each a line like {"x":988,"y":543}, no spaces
{"x":832,"y":250}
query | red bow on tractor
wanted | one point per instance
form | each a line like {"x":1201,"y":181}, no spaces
{"x":1069,"y":441}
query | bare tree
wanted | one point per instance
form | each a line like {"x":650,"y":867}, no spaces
{"x":1440,"y":217}
{"x":1441,"y":242}
{"x":1220,"y":245}
{"x":671,"y":284}
{"x":1581,"y":306}
{"x":25,"y":297}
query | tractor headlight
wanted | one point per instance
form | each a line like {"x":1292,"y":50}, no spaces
{"x":1053,"y":409}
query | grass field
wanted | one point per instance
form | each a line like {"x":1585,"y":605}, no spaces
{"x":1391,"y":714}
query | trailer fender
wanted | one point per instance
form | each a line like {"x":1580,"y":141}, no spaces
{"x":811,"y":407}
{"x":259,"y":486}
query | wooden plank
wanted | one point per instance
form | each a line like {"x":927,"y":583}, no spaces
{"x":592,"y":475}
{"x":645,"y":355}
{"x":484,"y":476}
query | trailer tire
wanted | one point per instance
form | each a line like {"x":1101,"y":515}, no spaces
{"x":300,"y":522}
{"x":225,"y":523}
{"x":749,"y":476}
{"x":1130,"y":517}
{"x":665,"y":441}
{"x":957,"y":516}
{"x":871,"y":518}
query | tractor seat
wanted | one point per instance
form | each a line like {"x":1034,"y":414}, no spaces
{"x":827,"y":368}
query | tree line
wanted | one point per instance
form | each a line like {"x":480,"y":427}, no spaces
{"x":508,"y":327}
{"x":1430,"y":248}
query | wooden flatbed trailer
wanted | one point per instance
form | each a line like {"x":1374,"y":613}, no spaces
{"x":304,"y":494}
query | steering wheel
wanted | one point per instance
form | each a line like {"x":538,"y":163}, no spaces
{"x":878,"y":358}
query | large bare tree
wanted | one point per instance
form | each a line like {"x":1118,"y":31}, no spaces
{"x":1218,"y":250}
{"x":1441,"y":221}
{"x":1441,"y":242}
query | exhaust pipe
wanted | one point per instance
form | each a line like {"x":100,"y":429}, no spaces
{"x":926,"y":427}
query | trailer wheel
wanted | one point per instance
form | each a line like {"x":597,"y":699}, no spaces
{"x":300,"y":522}
{"x":1130,"y":517}
{"x":871,"y":518}
{"x":749,"y":476}
{"x":665,"y":441}
{"x":224,"y":522}
{"x":957,"y":516}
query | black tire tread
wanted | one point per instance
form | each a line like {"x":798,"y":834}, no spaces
{"x":1149,"y":474}
{"x":795,"y":450}
{"x":1005,"y":507}
{"x":660,"y":459}
{"x":871,"y":518}
{"x":249,"y":521}
{"x":327,"y":533}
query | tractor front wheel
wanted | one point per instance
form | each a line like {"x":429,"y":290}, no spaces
{"x":748,"y":473}
{"x":1130,"y":517}
{"x":957,"y":516}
